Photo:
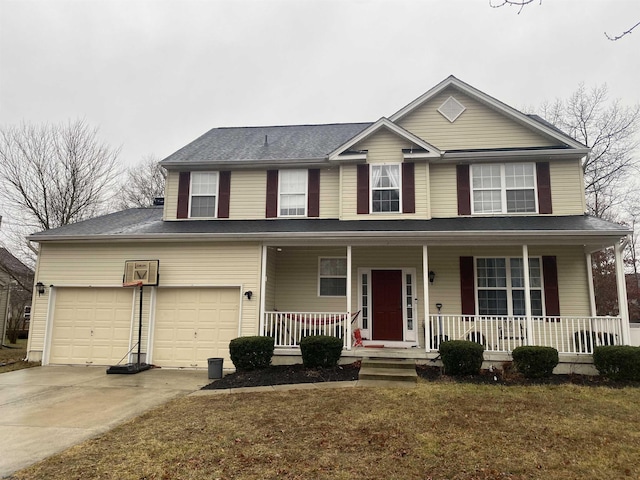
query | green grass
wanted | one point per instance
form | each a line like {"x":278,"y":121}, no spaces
{"x":438,"y":430}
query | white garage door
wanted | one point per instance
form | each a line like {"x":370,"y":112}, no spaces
{"x":193,"y":324}
{"x":91,"y":326}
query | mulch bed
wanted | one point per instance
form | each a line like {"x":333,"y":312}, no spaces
{"x":286,"y":374}
{"x":291,"y":374}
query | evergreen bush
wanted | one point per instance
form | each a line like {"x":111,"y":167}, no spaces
{"x":251,"y":353}
{"x":461,"y":357}
{"x":534,"y":361}
{"x":320,"y":351}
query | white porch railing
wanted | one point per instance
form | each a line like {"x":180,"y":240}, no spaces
{"x":287,"y":328}
{"x":503,"y":334}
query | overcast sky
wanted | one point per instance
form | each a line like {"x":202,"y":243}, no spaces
{"x":154,"y":75}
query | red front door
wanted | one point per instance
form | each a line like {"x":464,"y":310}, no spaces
{"x":386,"y":289}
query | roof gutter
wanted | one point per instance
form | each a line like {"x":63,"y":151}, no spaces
{"x":252,"y":236}
{"x":490,"y":155}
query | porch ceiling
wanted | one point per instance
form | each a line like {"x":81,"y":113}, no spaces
{"x":147,"y":224}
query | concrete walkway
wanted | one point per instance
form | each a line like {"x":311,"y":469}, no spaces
{"x":45,"y":410}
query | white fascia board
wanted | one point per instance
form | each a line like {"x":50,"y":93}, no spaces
{"x":502,"y":155}
{"x":433,"y":152}
{"x":487,"y":100}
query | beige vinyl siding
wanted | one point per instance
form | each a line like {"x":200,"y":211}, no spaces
{"x":478,"y":127}
{"x":170,"y":211}
{"x":330,"y":192}
{"x":350,"y":188}
{"x":567,"y":190}
{"x":297,"y":280}
{"x":573,"y":288}
{"x":444,"y":193}
{"x":383,"y":146}
{"x":248,"y":196}
{"x":181,"y":264}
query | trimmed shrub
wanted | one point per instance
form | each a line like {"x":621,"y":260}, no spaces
{"x":618,"y":362}
{"x":320,"y":351}
{"x":251,"y":353}
{"x":535,"y":362}
{"x":461,"y":357}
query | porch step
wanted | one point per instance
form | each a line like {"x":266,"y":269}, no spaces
{"x":388,"y":370}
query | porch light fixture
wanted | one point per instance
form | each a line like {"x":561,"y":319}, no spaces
{"x":432,"y":276}
{"x":248,"y":294}
{"x":40,"y":288}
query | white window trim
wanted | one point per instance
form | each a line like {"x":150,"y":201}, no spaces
{"x":503,"y":190}
{"x":320,"y":276}
{"x":509,"y":288}
{"x":371,"y":189}
{"x":217,"y":194}
{"x":306,"y":192}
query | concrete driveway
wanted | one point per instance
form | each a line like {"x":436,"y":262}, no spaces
{"x":44,"y":410}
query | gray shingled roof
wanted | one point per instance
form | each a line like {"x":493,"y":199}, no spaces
{"x":294,"y":142}
{"x":143,"y":223}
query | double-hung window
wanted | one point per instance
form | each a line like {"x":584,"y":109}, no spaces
{"x":504,"y":188}
{"x":500,"y":286}
{"x":292,"y":195}
{"x":204,"y":194}
{"x":332,"y":273}
{"x":385,"y":188}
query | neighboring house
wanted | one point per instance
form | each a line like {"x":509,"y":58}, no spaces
{"x":15,"y":297}
{"x":456,"y":217}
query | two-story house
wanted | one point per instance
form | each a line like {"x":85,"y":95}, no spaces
{"x":458,"y":217}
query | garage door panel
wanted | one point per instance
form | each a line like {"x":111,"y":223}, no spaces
{"x":91,"y":325}
{"x":199,"y":322}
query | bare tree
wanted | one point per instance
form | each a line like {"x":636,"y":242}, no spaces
{"x":522,"y":3}
{"x":609,"y":129}
{"x":143,"y":184}
{"x":54,"y":174}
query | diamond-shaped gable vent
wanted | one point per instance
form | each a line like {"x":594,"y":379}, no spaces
{"x":451,"y":109}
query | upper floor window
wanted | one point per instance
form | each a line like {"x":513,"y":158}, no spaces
{"x":204,"y":194}
{"x":501,"y":290}
{"x":292,"y":195}
{"x":504,"y":188}
{"x":385,"y":188}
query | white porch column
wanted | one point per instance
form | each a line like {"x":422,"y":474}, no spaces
{"x":348,"y":326}
{"x":425,"y":294}
{"x":592,"y":294}
{"x":622,"y":292}
{"x":263,"y":288}
{"x":527,"y":293}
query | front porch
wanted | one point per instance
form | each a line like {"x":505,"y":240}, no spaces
{"x":401,"y":301}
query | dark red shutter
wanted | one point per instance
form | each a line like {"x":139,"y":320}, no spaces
{"x":408,"y":188}
{"x":467,"y":290}
{"x":363,"y":188}
{"x":272,"y":194}
{"x":551,"y":296}
{"x":224,"y":193}
{"x":313,"y":197}
{"x":184,"y":183}
{"x":464,"y":189}
{"x":544,"y":187}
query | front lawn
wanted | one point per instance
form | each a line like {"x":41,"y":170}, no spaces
{"x":11,"y":357}
{"x":438,"y":430}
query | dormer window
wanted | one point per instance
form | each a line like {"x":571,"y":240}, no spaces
{"x":204,"y":193}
